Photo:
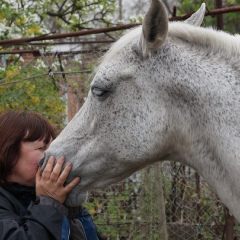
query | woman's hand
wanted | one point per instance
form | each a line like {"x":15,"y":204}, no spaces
{"x":50,"y":182}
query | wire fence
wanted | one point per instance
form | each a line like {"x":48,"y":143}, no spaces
{"x":164,"y":201}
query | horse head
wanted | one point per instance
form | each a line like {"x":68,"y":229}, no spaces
{"x":122,"y":127}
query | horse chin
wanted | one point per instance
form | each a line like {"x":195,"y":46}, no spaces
{"x":76,"y":199}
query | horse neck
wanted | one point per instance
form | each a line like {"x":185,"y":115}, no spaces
{"x":206,"y":120}
{"x":211,"y":156}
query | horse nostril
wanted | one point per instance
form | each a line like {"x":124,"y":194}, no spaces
{"x":41,"y":161}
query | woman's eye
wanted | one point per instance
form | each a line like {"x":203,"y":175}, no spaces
{"x":98,"y":91}
{"x":42,"y":148}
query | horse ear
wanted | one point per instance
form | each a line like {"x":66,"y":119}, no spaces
{"x":197,"y":18}
{"x":154,"y":28}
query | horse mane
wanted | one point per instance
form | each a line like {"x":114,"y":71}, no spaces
{"x":205,"y":40}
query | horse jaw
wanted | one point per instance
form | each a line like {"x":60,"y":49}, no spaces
{"x":154,"y":28}
{"x":197,"y":18}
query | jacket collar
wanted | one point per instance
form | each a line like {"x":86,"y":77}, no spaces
{"x":23,"y":193}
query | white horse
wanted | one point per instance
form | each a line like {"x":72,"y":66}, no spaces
{"x":164,"y":91}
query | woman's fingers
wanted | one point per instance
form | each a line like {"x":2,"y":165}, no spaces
{"x":51,"y":182}
{"x":48,"y":169}
{"x":56,"y":174}
{"x":57,"y":169}
{"x":62,"y":178}
{"x":52,"y":172}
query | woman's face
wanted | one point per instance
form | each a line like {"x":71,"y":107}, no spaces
{"x":25,"y":170}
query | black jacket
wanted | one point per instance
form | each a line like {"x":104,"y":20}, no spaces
{"x":23,"y":216}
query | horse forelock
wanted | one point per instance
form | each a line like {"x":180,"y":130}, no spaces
{"x":205,"y":40}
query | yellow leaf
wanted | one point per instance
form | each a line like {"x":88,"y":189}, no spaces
{"x":92,"y":211}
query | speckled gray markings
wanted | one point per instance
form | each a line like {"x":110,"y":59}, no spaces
{"x":175,"y":98}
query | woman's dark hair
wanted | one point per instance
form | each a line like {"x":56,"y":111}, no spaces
{"x":17,"y":126}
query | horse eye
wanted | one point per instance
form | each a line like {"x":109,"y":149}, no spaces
{"x":98,"y":91}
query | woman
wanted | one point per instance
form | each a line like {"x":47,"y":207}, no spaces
{"x":31,"y":201}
